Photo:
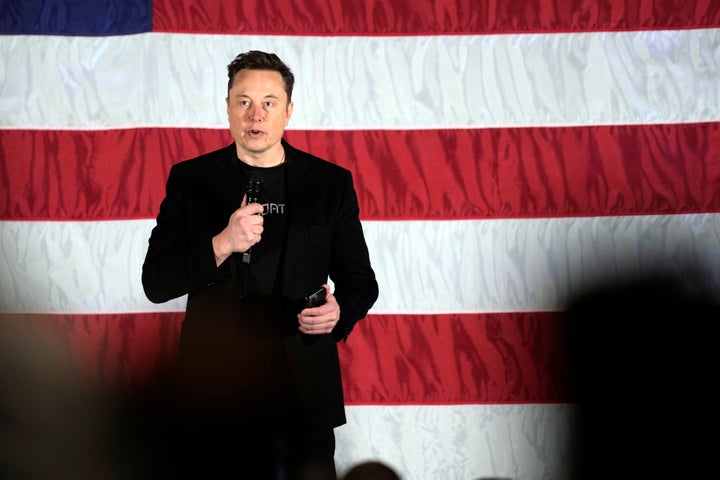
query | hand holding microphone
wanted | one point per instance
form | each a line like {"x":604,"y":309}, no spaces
{"x":253,"y":194}
{"x":244,"y":228}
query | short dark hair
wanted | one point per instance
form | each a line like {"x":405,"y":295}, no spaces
{"x":257,"y":60}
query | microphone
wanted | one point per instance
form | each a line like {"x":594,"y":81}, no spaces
{"x":254,"y":187}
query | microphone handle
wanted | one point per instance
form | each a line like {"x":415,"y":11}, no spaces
{"x":253,"y":194}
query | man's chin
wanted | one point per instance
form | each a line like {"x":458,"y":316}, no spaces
{"x":255,"y":150}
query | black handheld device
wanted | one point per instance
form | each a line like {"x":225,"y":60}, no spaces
{"x":316,"y":299}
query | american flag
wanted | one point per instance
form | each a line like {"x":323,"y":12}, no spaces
{"x":508,"y":155}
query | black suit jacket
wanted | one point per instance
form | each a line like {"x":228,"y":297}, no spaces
{"x":324,"y":239}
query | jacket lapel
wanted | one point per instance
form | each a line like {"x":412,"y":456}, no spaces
{"x":301,"y":190}
{"x":226,"y":182}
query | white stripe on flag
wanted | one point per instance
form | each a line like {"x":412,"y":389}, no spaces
{"x":461,"y":266}
{"x":412,"y":82}
{"x":461,"y":442}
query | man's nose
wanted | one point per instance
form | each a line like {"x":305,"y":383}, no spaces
{"x":256,"y":114}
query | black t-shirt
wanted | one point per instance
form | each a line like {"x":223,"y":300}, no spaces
{"x":261,"y":274}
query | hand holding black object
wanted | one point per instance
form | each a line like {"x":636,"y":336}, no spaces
{"x":253,"y":194}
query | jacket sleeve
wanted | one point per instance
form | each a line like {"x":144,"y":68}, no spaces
{"x":356,"y":288}
{"x":177,"y":259}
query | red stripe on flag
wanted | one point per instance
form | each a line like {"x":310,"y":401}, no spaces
{"x":439,"y":174}
{"x":457,"y":358}
{"x":427,"y":17}
{"x":388,"y":359}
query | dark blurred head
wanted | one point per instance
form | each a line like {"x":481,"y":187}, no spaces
{"x":643,"y":364}
{"x":371,"y":470}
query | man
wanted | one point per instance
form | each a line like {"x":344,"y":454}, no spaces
{"x":248,"y":232}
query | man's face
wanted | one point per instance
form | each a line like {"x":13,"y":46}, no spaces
{"x":258,"y":110}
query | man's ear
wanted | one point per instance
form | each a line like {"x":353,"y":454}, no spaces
{"x":289,"y":111}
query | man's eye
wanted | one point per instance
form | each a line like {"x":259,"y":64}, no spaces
{"x":269,"y":104}
{"x":244,"y":103}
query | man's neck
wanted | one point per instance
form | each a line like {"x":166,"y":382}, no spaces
{"x":270,"y":158}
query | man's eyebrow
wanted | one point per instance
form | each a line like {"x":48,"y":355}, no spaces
{"x":269,"y":95}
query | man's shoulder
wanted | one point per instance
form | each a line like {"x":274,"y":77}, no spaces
{"x":205,"y":161}
{"x":318,"y":164}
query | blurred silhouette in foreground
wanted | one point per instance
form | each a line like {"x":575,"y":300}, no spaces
{"x":371,"y":470}
{"x":644,"y":372}
{"x":52,"y":423}
{"x":55,"y":423}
